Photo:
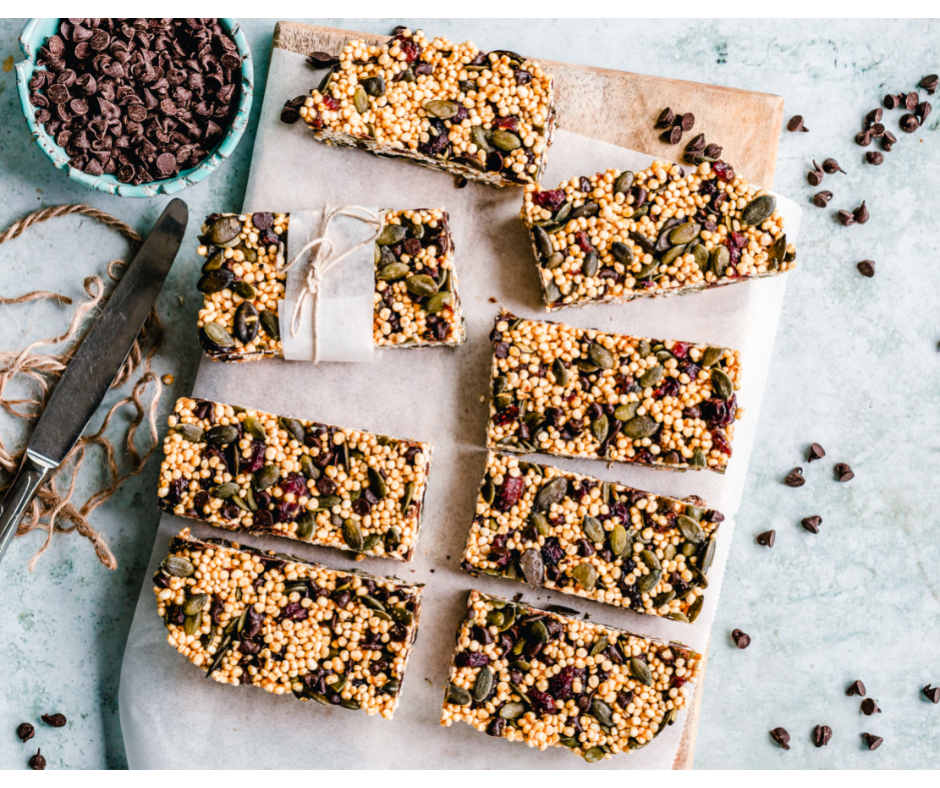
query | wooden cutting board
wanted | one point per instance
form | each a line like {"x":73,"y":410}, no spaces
{"x":621,"y":108}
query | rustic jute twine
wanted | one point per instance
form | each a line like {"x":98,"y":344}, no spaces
{"x":52,"y":510}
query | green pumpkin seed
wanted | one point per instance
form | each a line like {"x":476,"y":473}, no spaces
{"x":192,"y":624}
{"x":690,"y":529}
{"x":177,"y":566}
{"x":266,"y":477}
{"x":369,"y":543}
{"x":195,"y":604}
{"x":673,"y":253}
{"x":591,"y":264}
{"x":504,"y":140}
{"x":560,"y":373}
{"x":622,"y":253}
{"x":407,"y":496}
{"x":539,"y":631}
{"x":641,"y":671}
{"x":377,"y":483}
{"x":478,"y":138}
{"x":361,"y":101}
{"x":663,"y":599}
{"x":374,"y":86}
{"x":593,"y":754}
{"x":542,"y":242}
{"x":700,"y":253}
{"x":214,"y":263}
{"x":215,"y":281}
{"x":721,"y":259}
{"x":224,"y":230}
{"x":586,"y":575}
{"x":676,"y":615}
{"x":554,"y":261}
{"x":698,"y":579}
{"x":488,"y":492}
{"x":687,"y":549}
{"x":540,"y":521}
{"x":392,"y":540}
{"x":190,"y":432}
{"x":307,"y":467}
{"x":532,"y":567}
{"x":219,"y":335}
{"x":695,"y":512}
{"x":550,"y":493}
{"x":270,"y":325}
{"x":758,"y":210}
{"x":254,"y":428}
{"x":244,"y":290}
{"x":646,"y":271}
{"x":635,"y":744}
{"x":402,"y":615}
{"x":707,"y":556}
{"x":722,"y":384}
{"x":640,"y":427}
{"x":777,"y":251}
{"x":372,"y":603}
{"x":684,"y":233}
{"x":437,"y":302}
{"x":444,"y":110}
{"x":551,"y":292}
{"x":458,"y":696}
{"x":602,"y":713}
{"x":649,"y":558}
{"x":391,"y":234}
{"x":245,"y":323}
{"x":222,"y":435}
{"x":695,"y":609}
{"x":626,"y":412}
{"x":618,"y":540}
{"x":306,"y":524}
{"x":651,"y":378}
{"x":669,"y":552}
{"x":593,"y":529}
{"x":624,"y":181}
{"x":392,"y":272}
{"x":600,"y":646}
{"x":601,"y":356}
{"x":647,"y":583}
{"x":483,"y":684}
{"x":421,"y":285}
{"x":512,"y":710}
{"x":712,"y":355}
{"x":600,"y":427}
{"x":224,"y":491}
{"x":293,"y":427}
{"x":352,"y":535}
{"x":671,"y":716}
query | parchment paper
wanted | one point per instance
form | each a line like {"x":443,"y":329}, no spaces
{"x":174,"y":717}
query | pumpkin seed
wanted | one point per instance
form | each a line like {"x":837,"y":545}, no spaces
{"x":593,"y":754}
{"x":707,"y":556}
{"x":626,"y":412}
{"x":215,"y":281}
{"x":360,"y":101}
{"x":437,"y":302}
{"x":352,"y":535}
{"x":369,"y":543}
{"x":700,"y":253}
{"x":377,"y":483}
{"x":244,"y":290}
{"x":591,"y":264}
{"x":269,"y":323}
{"x":195,"y":604}
{"x":533,"y":569}
{"x":684,"y":233}
{"x":649,"y":558}
{"x":192,"y":624}
{"x":647,"y":583}
{"x":651,"y":378}
{"x":219,"y":335}
{"x":643,"y":348}
{"x":690,"y":529}
{"x":624,"y":181}
{"x":421,"y":285}
{"x":646,"y":271}
{"x":554,"y":261}
{"x":444,"y":110}
{"x":478,"y":138}
{"x":587,"y":209}
{"x":695,"y":609}
{"x":306,"y":524}
{"x":586,"y":575}
{"x":601,"y":356}
{"x":722,"y":384}
{"x":663,"y":599}
{"x":488,"y":492}
{"x":190,"y":432}
{"x":758,"y":210}
{"x":551,"y":292}
{"x":539,"y":631}
{"x":622,"y":253}
{"x":721,"y":259}
{"x":222,"y":435}
{"x":483,"y":684}
{"x":224,"y":491}
{"x":266,"y":477}
{"x":641,"y":671}
{"x":560,"y":373}
{"x":777,"y":251}
{"x":393,"y":271}
{"x":640,"y":427}
{"x":673,"y":253}
{"x":253,"y":427}
{"x":224,"y":230}
{"x":512,"y":710}
{"x":504,"y":140}
{"x":551,"y":492}
{"x":391,"y":234}
{"x":307,"y":468}
{"x":669,"y":552}
{"x":293,"y":428}
{"x":540,"y":521}
{"x":177,"y":566}
{"x":593,"y":529}
{"x":407,"y":495}
{"x":676,"y":615}
{"x":600,"y":646}
{"x":374,"y":86}
{"x":458,"y":696}
{"x":246,"y":322}
{"x":402,"y":615}
{"x":392,"y":540}
{"x":602,"y":712}
{"x":214,"y":263}
{"x":712,"y":355}
{"x":600,"y":427}
{"x":618,"y":540}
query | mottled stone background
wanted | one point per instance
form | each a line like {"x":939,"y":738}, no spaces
{"x":856,"y":368}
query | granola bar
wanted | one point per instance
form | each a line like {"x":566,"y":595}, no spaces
{"x":246,"y":470}
{"x":576,"y":392}
{"x":286,"y":625}
{"x":617,"y":236}
{"x":487,"y":116}
{"x":599,"y":540}
{"x":530,"y":675}
{"x":415,"y":303}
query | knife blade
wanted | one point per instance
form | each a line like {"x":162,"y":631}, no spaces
{"x":95,"y":365}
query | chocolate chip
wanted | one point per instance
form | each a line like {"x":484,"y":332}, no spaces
{"x":923,"y":110}
{"x":815,"y":176}
{"x":37,"y":763}
{"x":932,"y":693}
{"x":929,"y":83}
{"x":666,"y":118}
{"x":861,"y":213}
{"x":831,"y":166}
{"x":766,"y":539}
{"x":322,"y":60}
{"x":461,"y":182}
{"x":25,"y":731}
{"x":781,"y":736}
{"x":877,"y":130}
{"x":874,"y":157}
{"x":741,"y":639}
{"x":697,"y":143}
{"x":166,"y":163}
{"x":846,"y":218}
{"x":888,"y":140}
{"x":874,"y":116}
{"x":821,"y":199}
{"x":844,"y":472}
{"x":866,"y":268}
{"x":891,"y":101}
{"x":909,"y":123}
{"x":673,"y":136}
{"x":872,"y":742}
{"x":869,"y":707}
{"x":795,"y":478}
{"x":713,"y":150}
{"x":55,"y":720}
{"x":863,"y":138}
{"x":811,"y":524}
{"x":911,"y":100}
{"x":796,"y":124}
{"x":686,"y":122}
{"x":821,"y":735}
{"x":855,"y":688}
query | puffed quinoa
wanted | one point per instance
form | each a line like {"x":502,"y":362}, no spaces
{"x":487,"y":116}
{"x":548,"y":680}
{"x":616,"y":236}
{"x":594,"y":539}
{"x":575,"y":392}
{"x":286,"y":625}
{"x":247,"y":470}
{"x":416,"y":303}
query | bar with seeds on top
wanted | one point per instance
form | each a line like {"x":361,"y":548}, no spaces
{"x":549,"y":680}
{"x":486,"y":116}
{"x":247,"y":470}
{"x":616,"y":236}
{"x":575,"y":392}
{"x":415,"y":302}
{"x":286,"y":625}
{"x":598,"y":540}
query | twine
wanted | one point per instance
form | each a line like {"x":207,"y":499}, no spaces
{"x":52,"y":511}
{"x":321,"y":263}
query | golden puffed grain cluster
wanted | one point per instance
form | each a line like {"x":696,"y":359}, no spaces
{"x":616,"y":236}
{"x":594,"y":539}
{"x":496,"y":109}
{"x":284,"y":625}
{"x":596,"y":690}
{"x":578,"y":392}
{"x":342,"y":488}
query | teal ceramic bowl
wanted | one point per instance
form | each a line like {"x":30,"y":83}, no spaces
{"x":34,"y":36}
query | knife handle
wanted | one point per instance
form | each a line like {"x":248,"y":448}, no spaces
{"x":30,"y":477}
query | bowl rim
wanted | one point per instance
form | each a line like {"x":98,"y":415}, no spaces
{"x":108,"y":183}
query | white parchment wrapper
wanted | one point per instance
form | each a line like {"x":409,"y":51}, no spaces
{"x":172,"y":716}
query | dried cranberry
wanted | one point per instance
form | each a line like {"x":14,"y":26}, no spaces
{"x":330,"y":103}
{"x":295,"y":612}
{"x":680,"y":350}
{"x":472,"y":659}
{"x":678,"y":681}
{"x":501,"y":350}
{"x":584,"y":242}
{"x":560,"y":684}
{"x":294,"y":483}
{"x":690,"y":369}
{"x":670,"y":388}
{"x":285,"y":512}
{"x":175,"y":493}
{"x":552,"y":200}
{"x":409,"y":48}
{"x":542,"y":702}
{"x":510,"y":123}
{"x":255,"y":460}
{"x":721,"y":443}
{"x":436,"y":142}
{"x":692,"y":412}
{"x":552,"y":551}
{"x":739,"y":240}
{"x":624,"y":699}
{"x":708,"y":187}
{"x":506,"y":416}
{"x":723,"y":171}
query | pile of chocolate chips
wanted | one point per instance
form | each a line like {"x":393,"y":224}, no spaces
{"x":140,"y":99}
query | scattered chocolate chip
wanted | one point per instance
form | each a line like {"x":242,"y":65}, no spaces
{"x":863,"y":138}
{"x":873,"y":742}
{"x":861,"y":213}
{"x":812,"y":524}
{"x":781,"y":736}
{"x":846,"y":218}
{"x":929,"y":83}
{"x":55,"y":720}
{"x":844,"y":472}
{"x":25,"y":731}
{"x":874,"y":157}
{"x":460,"y":182}
{"x":741,"y":639}
{"x":713,"y":150}
{"x":795,"y":478}
{"x":831,"y":166}
{"x":821,"y":735}
{"x":815,"y":176}
{"x":866,"y":268}
{"x":686,"y":122}
{"x":932,"y":693}
{"x":877,"y":130}
{"x":673,"y":136}
{"x":666,"y":118}
{"x":923,"y":110}
{"x":911,"y":100}
{"x":697,"y":143}
{"x":37,"y":763}
{"x":821,"y":199}
{"x":887,"y":141}
{"x":909,"y":123}
{"x":855,"y":688}
{"x":892,"y":102}
{"x":766,"y":539}
{"x":796,"y":124}
{"x":816,"y":452}
{"x":874,"y":116}
{"x":869,"y":707}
